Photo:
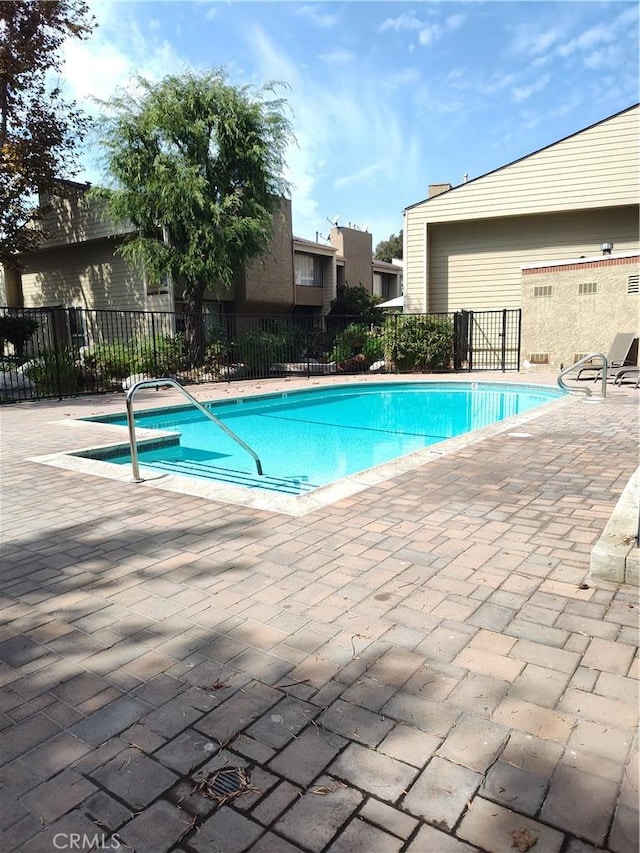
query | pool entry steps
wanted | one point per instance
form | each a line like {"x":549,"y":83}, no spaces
{"x":158,"y":383}
{"x":294,"y":442}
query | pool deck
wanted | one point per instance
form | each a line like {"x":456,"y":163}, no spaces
{"x":418,"y":667}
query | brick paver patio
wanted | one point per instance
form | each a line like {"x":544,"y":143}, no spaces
{"x":416,"y":668}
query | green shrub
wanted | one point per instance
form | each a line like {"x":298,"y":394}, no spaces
{"x":111,"y":360}
{"x":163,"y":357}
{"x":419,"y":343}
{"x":115,"y":360}
{"x":357,"y":340}
{"x":215,"y":354}
{"x":259,"y":349}
{"x":358,"y":303}
{"x":56,"y":372}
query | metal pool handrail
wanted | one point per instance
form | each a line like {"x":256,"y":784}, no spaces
{"x":151,"y":383}
{"x":584,"y":359}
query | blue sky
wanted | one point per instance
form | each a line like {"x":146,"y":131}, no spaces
{"x":385,"y":97}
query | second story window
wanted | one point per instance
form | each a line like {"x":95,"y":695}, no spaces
{"x":309,"y":270}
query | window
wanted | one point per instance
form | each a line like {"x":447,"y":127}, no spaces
{"x":587,"y":288}
{"x":542,"y":290}
{"x":161,"y":288}
{"x":309,"y":270}
{"x":632,"y":283}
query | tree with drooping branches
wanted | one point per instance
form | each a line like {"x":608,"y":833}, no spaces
{"x":197,"y":166}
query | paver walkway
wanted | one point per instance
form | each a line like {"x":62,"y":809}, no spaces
{"x":416,"y":668}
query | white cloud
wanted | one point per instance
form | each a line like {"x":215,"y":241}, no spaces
{"x":403,"y":23}
{"x":116,"y":52}
{"x":566,"y":107}
{"x":359,"y":175}
{"x":428,"y":31}
{"x":340,"y":121}
{"x":528,"y":119}
{"x":599,"y":46}
{"x":339,"y":56}
{"x":462,"y":82}
{"x":320,"y":19}
{"x":93,"y":70}
{"x":397,"y":79}
{"x":523,"y":93}
{"x":498,"y":81}
{"x":531,"y":42}
{"x":609,"y":56}
{"x":454,"y":21}
{"x":601,"y":34}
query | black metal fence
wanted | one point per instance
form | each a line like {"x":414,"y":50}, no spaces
{"x":60,"y":352}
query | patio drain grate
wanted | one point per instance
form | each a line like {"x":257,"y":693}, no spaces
{"x":225,"y":784}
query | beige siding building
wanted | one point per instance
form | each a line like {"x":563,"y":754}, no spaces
{"x":465,"y":246}
{"x":78,"y":266}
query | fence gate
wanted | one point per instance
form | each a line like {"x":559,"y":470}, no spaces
{"x":487,"y":340}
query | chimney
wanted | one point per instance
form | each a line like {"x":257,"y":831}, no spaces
{"x":437,"y":189}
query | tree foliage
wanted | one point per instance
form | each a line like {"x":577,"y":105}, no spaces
{"x":39,"y":130}
{"x":17,"y":331}
{"x":196,"y":166}
{"x":419,"y":342}
{"x":386,"y":250}
{"x":357,"y":303}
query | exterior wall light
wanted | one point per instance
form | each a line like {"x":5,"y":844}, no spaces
{"x":607,"y":248}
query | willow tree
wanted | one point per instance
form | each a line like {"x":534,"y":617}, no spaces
{"x":196,"y":165}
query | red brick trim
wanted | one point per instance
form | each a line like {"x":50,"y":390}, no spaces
{"x":588,"y":265}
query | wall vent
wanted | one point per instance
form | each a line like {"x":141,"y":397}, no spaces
{"x":632,"y":283}
{"x":578,"y":355}
{"x":542,"y":290}
{"x":539,"y":358}
{"x":587,"y":288}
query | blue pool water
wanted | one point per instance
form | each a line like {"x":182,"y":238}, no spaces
{"x":310,"y":438}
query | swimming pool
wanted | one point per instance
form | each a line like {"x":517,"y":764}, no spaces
{"x":310,"y":438}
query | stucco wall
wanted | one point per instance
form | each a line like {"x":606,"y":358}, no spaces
{"x":565,"y":322}
{"x":356,"y":247}
{"x":268,"y":282}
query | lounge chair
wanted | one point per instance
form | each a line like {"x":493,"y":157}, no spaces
{"x":620,"y":355}
{"x":631,"y":373}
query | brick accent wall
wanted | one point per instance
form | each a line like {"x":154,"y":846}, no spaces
{"x":603,"y":263}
